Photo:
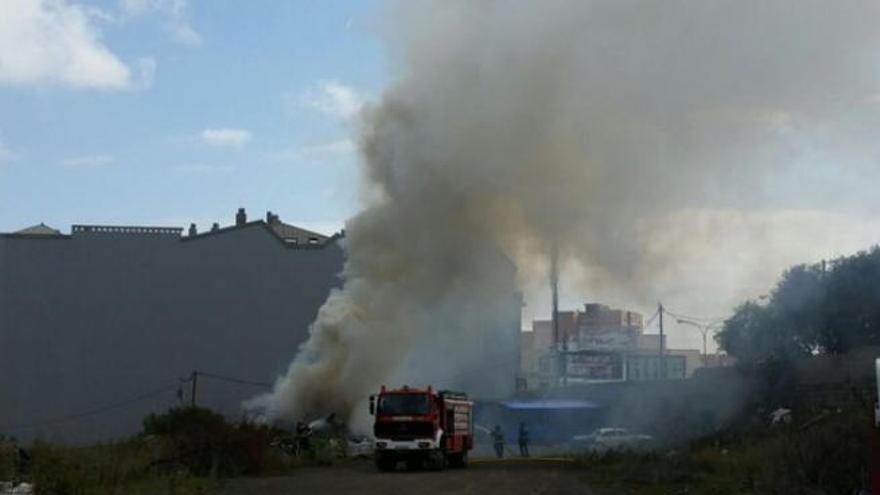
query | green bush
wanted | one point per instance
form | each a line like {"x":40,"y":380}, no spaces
{"x":57,"y":473}
{"x":8,"y":460}
{"x":829,"y":457}
{"x":108,"y":468}
{"x":205,"y":444}
{"x":180,"y":452}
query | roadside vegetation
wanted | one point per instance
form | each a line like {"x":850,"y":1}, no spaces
{"x":816,"y":312}
{"x":807,"y":351}
{"x":826,"y":454}
{"x":827,"y":308}
{"x":185,"y":451}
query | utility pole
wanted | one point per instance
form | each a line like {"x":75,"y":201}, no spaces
{"x":662,"y":342}
{"x":704,"y":332}
{"x":195,"y":381}
{"x":561,"y":357}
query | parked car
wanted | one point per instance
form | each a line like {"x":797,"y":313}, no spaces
{"x":605,"y":439}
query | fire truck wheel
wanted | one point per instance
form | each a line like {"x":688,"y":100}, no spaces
{"x":458,"y":460}
{"x":436,"y":461}
{"x":414,"y":464}
{"x":385,"y":463}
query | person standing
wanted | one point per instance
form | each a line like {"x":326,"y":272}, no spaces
{"x":498,"y":441}
{"x":303,"y":439}
{"x":523,"y":440}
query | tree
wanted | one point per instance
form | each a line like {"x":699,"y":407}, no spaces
{"x":755,"y":335}
{"x":814,"y":309}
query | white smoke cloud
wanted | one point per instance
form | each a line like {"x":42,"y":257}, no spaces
{"x":644,"y":138}
{"x":705,"y":261}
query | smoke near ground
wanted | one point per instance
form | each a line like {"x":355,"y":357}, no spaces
{"x":628,"y":133}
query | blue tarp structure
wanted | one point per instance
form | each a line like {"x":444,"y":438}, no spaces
{"x":559,"y":404}
{"x":548,"y":420}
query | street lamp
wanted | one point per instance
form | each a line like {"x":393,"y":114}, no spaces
{"x":704,"y":329}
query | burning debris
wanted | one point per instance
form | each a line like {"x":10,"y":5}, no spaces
{"x":625,"y":133}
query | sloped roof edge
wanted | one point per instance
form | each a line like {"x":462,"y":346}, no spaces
{"x":268,"y":228}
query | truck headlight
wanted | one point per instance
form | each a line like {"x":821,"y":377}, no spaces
{"x":424,"y":445}
{"x":381,"y":445}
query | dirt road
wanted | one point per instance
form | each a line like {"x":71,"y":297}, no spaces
{"x":360,"y":477}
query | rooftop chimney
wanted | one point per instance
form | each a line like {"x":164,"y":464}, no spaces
{"x":215,"y":227}
{"x":192,"y":229}
{"x":240,"y":217}
{"x":271,"y":218}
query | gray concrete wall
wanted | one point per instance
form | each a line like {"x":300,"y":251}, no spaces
{"x":96,"y":318}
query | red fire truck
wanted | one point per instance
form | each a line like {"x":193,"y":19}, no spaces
{"x":422,"y":427}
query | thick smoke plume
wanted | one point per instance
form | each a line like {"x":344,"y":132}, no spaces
{"x":597,"y":126}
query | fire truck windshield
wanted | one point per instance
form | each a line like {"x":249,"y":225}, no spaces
{"x":403,"y":405}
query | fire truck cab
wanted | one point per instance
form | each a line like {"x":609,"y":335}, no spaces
{"x":421,"y":427}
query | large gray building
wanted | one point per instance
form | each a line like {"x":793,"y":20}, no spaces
{"x":98,"y":326}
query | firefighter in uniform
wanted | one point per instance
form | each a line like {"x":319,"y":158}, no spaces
{"x":523,"y":440}
{"x":498,"y":441}
{"x":303,"y":439}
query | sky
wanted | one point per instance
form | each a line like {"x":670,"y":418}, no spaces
{"x":166,"y":112}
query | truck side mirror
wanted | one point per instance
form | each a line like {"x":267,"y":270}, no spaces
{"x":372,"y":405}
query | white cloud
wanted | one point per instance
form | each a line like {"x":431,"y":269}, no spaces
{"x":51,"y":41}
{"x":134,"y":8}
{"x":138,"y":8}
{"x":330,"y":97}
{"x":185,"y":35}
{"x":231,"y":138}
{"x":321,"y":152}
{"x":175,"y":11}
{"x":343,"y":147}
{"x":86,"y":162}
{"x":146,"y":72}
{"x":6,"y":155}
{"x":201,"y":169}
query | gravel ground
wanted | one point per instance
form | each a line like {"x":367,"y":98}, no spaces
{"x":361,"y":477}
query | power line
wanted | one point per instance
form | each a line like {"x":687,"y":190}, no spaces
{"x":91,"y":412}
{"x":126,"y":402}
{"x":238,"y":381}
{"x":651,"y":319}
{"x":707,"y":319}
{"x":194,"y":378}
